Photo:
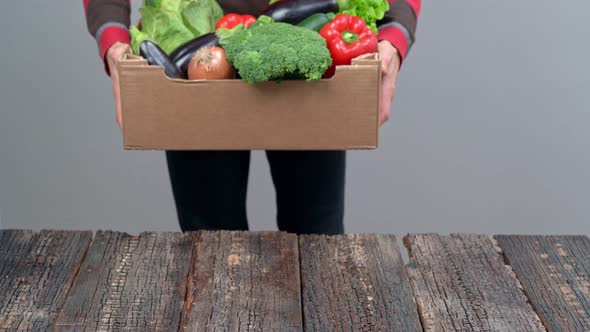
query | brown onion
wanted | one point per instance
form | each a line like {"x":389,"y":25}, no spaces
{"x":210,"y":63}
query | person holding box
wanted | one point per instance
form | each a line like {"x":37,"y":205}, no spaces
{"x":210,"y":187}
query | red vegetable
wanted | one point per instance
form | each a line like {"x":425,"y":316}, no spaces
{"x":210,"y":63}
{"x":230,"y":21}
{"x":347,"y":37}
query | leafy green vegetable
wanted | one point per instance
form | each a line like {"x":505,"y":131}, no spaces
{"x":201,"y":16}
{"x":137,"y":37}
{"x":369,"y":10}
{"x":273,"y":1}
{"x":164,"y":28}
{"x":152,"y":3}
{"x":171,"y":23}
{"x":172,"y":6}
{"x":224,"y":34}
{"x":271,"y":51}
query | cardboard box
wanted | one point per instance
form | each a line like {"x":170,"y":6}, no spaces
{"x":339,"y":113}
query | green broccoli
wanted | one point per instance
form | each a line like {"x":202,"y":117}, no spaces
{"x":272,"y":51}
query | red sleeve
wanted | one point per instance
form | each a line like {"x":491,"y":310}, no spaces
{"x":398,"y":26}
{"x":108,"y":22}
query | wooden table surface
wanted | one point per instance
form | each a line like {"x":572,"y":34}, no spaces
{"x":277,"y":281}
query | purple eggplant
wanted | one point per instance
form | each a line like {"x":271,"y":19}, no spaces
{"x":295,"y":11}
{"x":157,"y":57}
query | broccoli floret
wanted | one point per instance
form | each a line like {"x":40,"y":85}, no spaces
{"x":273,"y":51}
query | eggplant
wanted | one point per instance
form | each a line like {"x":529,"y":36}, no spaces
{"x":157,"y":57}
{"x":183,"y":54}
{"x":295,"y":11}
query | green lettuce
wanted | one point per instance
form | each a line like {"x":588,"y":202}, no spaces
{"x":200,"y":17}
{"x":171,"y":23}
{"x":153,"y":3}
{"x":137,"y":37}
{"x":172,"y":6}
{"x":164,"y":28}
{"x":370,"y":11}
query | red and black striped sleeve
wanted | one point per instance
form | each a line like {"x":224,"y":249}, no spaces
{"x":399,"y":24}
{"x":108,"y":22}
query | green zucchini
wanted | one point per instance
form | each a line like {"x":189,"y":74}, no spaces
{"x":317,"y":21}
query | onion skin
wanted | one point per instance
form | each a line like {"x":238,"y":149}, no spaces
{"x":210,"y":63}
{"x":184,"y":53}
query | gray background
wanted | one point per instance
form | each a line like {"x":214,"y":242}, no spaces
{"x":489,"y":130}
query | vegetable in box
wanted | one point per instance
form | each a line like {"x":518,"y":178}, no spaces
{"x":283,"y":43}
{"x":273,"y":51}
{"x":171,"y":23}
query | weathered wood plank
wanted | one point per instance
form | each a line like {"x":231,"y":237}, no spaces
{"x":135,"y":283}
{"x":355,"y":282}
{"x":36,"y":272}
{"x":244,"y":281}
{"x":461,"y":283}
{"x":555,"y":274}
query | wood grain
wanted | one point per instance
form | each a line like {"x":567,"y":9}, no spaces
{"x":36,"y":272}
{"x":135,"y":283}
{"x":355,"y":282}
{"x":555,"y":274}
{"x":244,"y":281}
{"x":461,"y":283}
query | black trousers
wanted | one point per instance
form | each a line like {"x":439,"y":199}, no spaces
{"x":210,"y":189}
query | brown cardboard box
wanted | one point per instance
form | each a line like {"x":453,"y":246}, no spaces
{"x":339,"y":113}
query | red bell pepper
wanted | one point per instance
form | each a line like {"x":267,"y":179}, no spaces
{"x":230,"y":21}
{"x":347,"y":37}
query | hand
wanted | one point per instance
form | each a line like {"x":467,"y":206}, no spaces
{"x":114,"y":54}
{"x":390,"y":63}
